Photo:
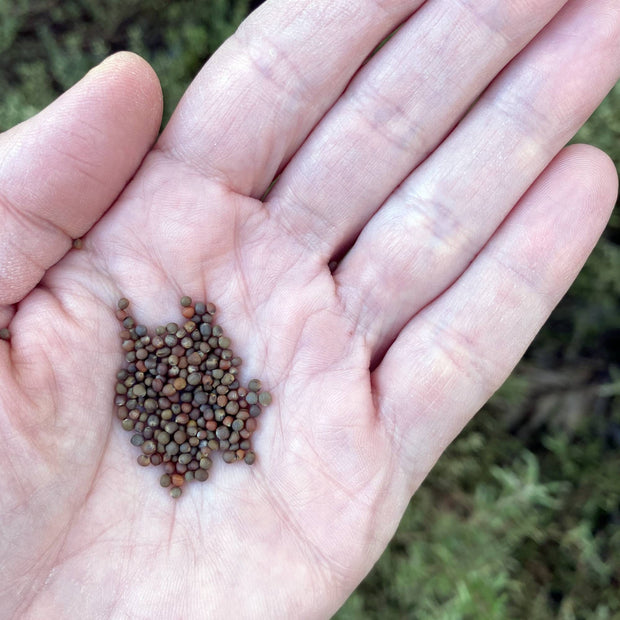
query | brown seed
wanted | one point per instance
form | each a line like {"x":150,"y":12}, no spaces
{"x":186,"y":301}
{"x":188,"y":313}
{"x":264,"y":398}
{"x":128,"y":424}
{"x":176,"y":492}
{"x":123,"y":303}
{"x":249,"y":457}
{"x":201,"y":475}
{"x":182,"y":418}
{"x":179,"y":383}
{"x":165,"y":480}
{"x":139,"y":390}
{"x":255,"y":385}
{"x":194,"y":378}
{"x":229,"y":456}
{"x":156,"y":459}
{"x":168,"y":390}
{"x":180,"y":436}
{"x":251,"y":425}
{"x":144,"y":460}
{"x":149,"y":447}
{"x":177,"y":480}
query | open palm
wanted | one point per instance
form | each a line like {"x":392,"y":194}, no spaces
{"x":457,"y":222}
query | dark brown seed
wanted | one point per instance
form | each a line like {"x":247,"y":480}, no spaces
{"x":264,"y":398}
{"x":251,"y":424}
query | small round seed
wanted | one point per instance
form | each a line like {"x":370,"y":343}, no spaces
{"x":201,"y":475}
{"x":177,"y":480}
{"x":137,"y":440}
{"x":165,"y":480}
{"x":249,"y":457}
{"x":144,"y":460}
{"x":128,"y":424}
{"x":264,"y":398}
{"x":149,"y":447}
{"x":186,"y":301}
{"x":123,"y":303}
{"x":222,"y":433}
{"x":176,"y":492}
{"x":229,"y":456}
{"x":255,"y":385}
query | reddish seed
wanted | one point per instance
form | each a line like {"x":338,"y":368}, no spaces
{"x":177,"y":480}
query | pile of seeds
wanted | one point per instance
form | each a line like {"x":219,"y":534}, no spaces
{"x":178,"y":393}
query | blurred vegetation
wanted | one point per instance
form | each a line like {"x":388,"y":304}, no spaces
{"x":520,"y":518}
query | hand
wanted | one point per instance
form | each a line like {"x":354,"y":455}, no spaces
{"x":458,"y":221}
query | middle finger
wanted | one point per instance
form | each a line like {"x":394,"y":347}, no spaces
{"x":433,"y":68}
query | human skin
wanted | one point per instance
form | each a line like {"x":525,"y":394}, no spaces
{"x":435,"y":173}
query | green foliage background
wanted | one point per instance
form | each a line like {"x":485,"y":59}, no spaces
{"x":520,"y":518}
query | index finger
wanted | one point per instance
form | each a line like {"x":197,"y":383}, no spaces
{"x":263,"y":91}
